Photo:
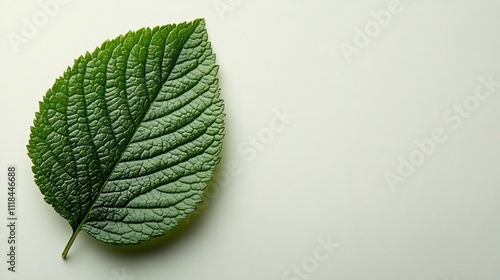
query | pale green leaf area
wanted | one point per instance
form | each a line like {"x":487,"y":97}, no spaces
{"x":126,"y":139}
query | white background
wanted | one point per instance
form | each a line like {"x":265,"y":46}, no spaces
{"x":321,"y":175}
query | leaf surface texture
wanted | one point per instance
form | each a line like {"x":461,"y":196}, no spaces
{"x":126,"y":139}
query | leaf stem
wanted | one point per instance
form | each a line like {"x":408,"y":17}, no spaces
{"x":70,"y":242}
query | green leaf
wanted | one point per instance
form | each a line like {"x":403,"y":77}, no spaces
{"x":126,"y":139}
